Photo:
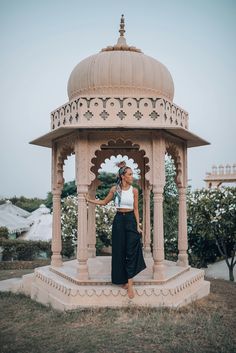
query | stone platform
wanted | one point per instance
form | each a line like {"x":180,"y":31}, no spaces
{"x":60,"y":287}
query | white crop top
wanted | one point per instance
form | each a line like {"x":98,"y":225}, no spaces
{"x":127,"y":199}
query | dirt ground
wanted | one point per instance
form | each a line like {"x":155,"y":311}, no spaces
{"x":205,"y":326}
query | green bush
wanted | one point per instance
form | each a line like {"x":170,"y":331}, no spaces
{"x":104,"y":218}
{"x":23,"y":249}
{"x":3,"y":232}
{"x":170,"y":211}
{"x":69,"y":216}
{"x":212,"y":225}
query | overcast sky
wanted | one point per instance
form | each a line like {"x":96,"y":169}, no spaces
{"x":42,"y":41}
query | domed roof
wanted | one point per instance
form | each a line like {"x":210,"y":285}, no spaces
{"x":120,"y":70}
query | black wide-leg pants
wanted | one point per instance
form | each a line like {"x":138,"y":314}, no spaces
{"x":127,"y":255}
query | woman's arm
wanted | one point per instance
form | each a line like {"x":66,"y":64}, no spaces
{"x":103,"y":202}
{"x":136,"y":211}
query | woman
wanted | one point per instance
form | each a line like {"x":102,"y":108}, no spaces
{"x":127,"y":255}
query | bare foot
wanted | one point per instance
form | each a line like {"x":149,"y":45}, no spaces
{"x":130,"y":292}
{"x":125,"y":286}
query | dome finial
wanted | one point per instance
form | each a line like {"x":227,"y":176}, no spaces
{"x":122,"y":26}
{"x":121,"y":41}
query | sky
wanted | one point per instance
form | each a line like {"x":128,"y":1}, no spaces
{"x":42,"y":41}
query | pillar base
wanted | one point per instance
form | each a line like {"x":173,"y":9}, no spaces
{"x":147,"y":251}
{"x":56,"y":261}
{"x":92,"y":251}
{"x":159,"y":271}
{"x":82,"y":270}
{"x":182,"y":260}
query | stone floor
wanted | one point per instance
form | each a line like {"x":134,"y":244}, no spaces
{"x":61,"y":288}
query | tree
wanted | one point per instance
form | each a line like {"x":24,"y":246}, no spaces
{"x":28,"y":204}
{"x":223,"y":222}
{"x":69,"y":188}
{"x":212,"y":225}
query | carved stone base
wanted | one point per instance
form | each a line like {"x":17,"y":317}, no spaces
{"x":56,"y":260}
{"x":147,"y":251}
{"x":61,"y":288}
{"x":182,"y":260}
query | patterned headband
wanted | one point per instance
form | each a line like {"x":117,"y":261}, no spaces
{"x":122,"y":166}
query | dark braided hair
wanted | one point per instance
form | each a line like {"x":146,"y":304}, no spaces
{"x":123,"y":167}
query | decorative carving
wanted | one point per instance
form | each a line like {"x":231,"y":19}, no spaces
{"x":59,"y":173}
{"x":88,"y":115}
{"x":108,"y":289}
{"x":161,"y":111}
{"x":176,"y":153}
{"x":121,"y":114}
{"x":138,"y":115}
{"x":65,"y":148}
{"x":154,"y":115}
{"x":104,"y":115}
{"x":114,"y":139}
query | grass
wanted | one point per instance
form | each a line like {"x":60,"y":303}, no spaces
{"x":6,"y":274}
{"x":207,"y":325}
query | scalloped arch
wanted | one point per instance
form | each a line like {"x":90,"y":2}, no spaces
{"x":123,"y":142}
{"x":66,"y":148}
{"x":176,"y":153}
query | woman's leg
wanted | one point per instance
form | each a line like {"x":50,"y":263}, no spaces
{"x":130,"y":288}
{"x":134,"y":255}
{"x":118,"y":262}
{"x":125,"y":285}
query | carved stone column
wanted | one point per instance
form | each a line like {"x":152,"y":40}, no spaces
{"x":82,"y":242}
{"x":82,"y":181}
{"x":56,"y":259}
{"x":158,"y":187}
{"x":57,"y":185}
{"x":182,"y":229}
{"x":147,"y":230}
{"x":158,"y":234}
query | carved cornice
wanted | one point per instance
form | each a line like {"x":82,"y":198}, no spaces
{"x":111,"y":112}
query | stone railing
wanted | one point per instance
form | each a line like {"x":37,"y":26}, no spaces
{"x":113,"y":112}
{"x":222,"y":170}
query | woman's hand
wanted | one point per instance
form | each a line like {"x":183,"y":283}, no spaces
{"x":86,"y":197}
{"x":139,"y":229}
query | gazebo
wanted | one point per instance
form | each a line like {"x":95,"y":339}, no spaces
{"x":120,"y":102}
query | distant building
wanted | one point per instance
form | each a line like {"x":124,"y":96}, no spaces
{"x":221,"y":174}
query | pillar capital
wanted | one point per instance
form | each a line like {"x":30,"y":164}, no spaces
{"x":182,"y":191}
{"x":82,"y":188}
{"x":57,"y":192}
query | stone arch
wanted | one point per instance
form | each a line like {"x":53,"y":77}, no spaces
{"x":65,"y":148}
{"x":113,"y":143}
{"x":176,"y":153}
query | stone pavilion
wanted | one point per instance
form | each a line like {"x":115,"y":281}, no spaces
{"x":120,"y":102}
